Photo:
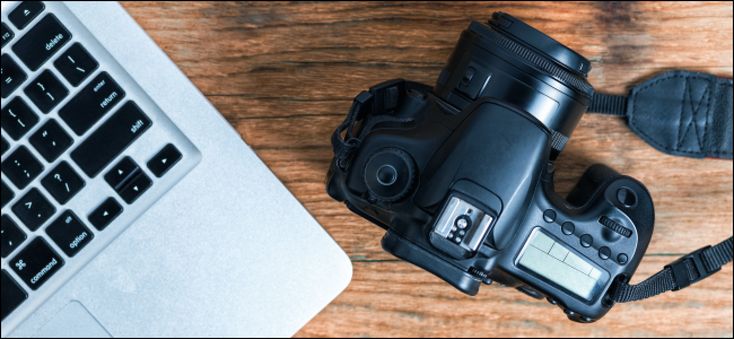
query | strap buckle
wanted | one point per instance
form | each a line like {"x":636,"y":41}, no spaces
{"x":691,"y":268}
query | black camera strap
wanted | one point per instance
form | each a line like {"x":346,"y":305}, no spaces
{"x":680,"y":113}
{"x":679,"y":274}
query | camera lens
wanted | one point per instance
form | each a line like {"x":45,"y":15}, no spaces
{"x":508,"y":60}
{"x":546,"y":45}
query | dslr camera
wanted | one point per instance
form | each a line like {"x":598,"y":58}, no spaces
{"x":461,"y":175}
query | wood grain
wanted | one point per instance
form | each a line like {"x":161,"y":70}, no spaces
{"x":284,"y":75}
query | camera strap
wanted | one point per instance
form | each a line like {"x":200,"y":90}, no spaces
{"x":688,"y":269}
{"x":680,"y":113}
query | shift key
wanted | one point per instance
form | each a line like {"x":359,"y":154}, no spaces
{"x":92,"y":103}
{"x":111,"y":139}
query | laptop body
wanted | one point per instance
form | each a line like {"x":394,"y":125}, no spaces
{"x":212,"y":245}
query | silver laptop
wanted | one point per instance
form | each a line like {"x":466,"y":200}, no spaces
{"x":130,"y":207}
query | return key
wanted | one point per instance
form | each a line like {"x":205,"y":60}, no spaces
{"x":92,"y":103}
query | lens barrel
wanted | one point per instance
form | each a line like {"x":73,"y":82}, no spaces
{"x":534,"y":39}
{"x":509,"y":60}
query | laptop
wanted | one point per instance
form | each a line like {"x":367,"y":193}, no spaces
{"x":130,"y":207}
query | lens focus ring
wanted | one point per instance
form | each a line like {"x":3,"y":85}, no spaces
{"x":574,"y":81}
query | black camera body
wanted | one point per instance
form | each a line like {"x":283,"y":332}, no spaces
{"x":461,"y":175}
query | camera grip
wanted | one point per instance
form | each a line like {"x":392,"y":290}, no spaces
{"x":616,"y":197}
{"x":602,"y":230}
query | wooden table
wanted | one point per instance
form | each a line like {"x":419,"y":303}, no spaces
{"x":284,"y":75}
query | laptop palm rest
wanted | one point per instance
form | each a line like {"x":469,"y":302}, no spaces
{"x":73,"y":321}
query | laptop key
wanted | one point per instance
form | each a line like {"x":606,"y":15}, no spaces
{"x":120,"y":174}
{"x":135,"y":188}
{"x":110,"y":139}
{"x":21,"y":167}
{"x":7,"y":193}
{"x":92,"y":103}
{"x":41,"y":42}
{"x":12,"y":294}
{"x":12,"y":75}
{"x":128,"y":180}
{"x":26,"y":11}
{"x":105,"y":213}
{"x":69,"y":233}
{"x":76,"y":64}
{"x":50,"y":140}
{"x":62,"y":182}
{"x":7,"y":34}
{"x":36,"y":263}
{"x":46,"y":91}
{"x":11,"y":236}
{"x":4,"y":145}
{"x":33,"y":209}
{"x":164,"y":160}
{"x":17,"y":118}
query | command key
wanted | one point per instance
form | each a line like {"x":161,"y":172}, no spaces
{"x":36,"y":263}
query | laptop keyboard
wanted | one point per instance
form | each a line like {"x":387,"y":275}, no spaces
{"x":84,"y":151}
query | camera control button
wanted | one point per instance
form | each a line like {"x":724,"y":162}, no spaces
{"x":627,"y":197}
{"x":587,"y":240}
{"x":568,"y":228}
{"x":473,"y":81}
{"x":615,"y":226}
{"x":622,"y":258}
{"x":468,"y":76}
{"x":549,"y":215}
{"x":604,"y":252}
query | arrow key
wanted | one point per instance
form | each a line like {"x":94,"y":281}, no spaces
{"x":164,"y":160}
{"x":128,"y":180}
{"x":121,"y":173}
{"x":135,"y":188}
{"x":105,"y":213}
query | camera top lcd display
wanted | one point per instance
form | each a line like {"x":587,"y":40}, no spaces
{"x":553,"y":261}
